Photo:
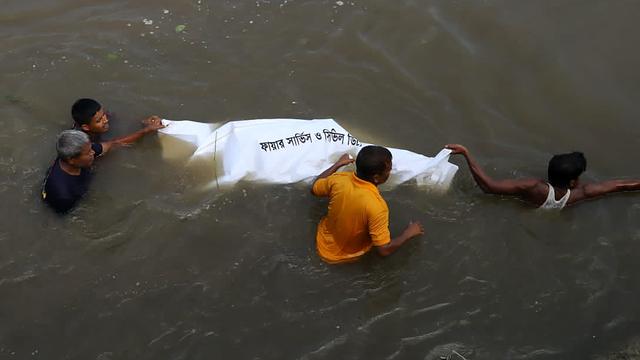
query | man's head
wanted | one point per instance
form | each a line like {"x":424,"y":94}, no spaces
{"x":565,"y":169}
{"x":89,"y":116}
{"x":373,"y":164}
{"x":74,"y":148}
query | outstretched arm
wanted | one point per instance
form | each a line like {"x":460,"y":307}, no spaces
{"x":608,"y":187}
{"x":489,"y":185}
{"x":345,"y":159}
{"x":152,"y":124}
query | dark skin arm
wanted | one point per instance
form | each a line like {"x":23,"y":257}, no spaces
{"x":152,"y":124}
{"x":535,"y":190}
{"x":517,"y":187}
{"x":345,"y":159}
{"x":414,"y":229}
{"x":590,"y":191}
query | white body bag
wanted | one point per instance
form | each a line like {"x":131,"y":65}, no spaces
{"x":282,"y":151}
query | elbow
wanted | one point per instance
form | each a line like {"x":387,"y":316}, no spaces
{"x":494,"y":189}
{"x":484,"y":185}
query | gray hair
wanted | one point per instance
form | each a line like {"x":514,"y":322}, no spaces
{"x":70,"y":143}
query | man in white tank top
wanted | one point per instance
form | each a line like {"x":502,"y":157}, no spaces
{"x":562,"y":188}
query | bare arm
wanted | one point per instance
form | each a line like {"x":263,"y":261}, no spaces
{"x":518,"y":187}
{"x":345,"y":159}
{"x":589,"y":191}
{"x":414,"y":229}
{"x":152,"y":124}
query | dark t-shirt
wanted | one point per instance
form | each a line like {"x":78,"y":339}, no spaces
{"x":62,"y":190}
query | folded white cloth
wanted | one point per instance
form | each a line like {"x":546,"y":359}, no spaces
{"x":282,"y":151}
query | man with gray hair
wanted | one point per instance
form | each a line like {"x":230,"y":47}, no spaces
{"x":69,"y":176}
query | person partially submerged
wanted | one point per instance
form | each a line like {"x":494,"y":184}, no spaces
{"x":69,"y":176}
{"x":358,"y":216}
{"x":562,"y":188}
{"x":90,"y":117}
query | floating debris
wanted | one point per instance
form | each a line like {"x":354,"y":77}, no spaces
{"x":15,"y":100}
{"x":180,"y":28}
{"x":147,"y":21}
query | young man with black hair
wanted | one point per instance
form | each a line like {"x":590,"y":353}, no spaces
{"x":89,"y":116}
{"x":562,"y":188}
{"x":358,"y":216}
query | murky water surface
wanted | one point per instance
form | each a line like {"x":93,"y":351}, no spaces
{"x":151,"y":267}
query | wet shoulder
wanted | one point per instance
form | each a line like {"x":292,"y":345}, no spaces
{"x":577,"y":194}
{"x":60,"y":185}
{"x":537,"y":192}
{"x":97,"y":148}
{"x":53,"y":180}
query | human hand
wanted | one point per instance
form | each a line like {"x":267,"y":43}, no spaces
{"x":345,"y":159}
{"x":457,"y":149}
{"x":414,"y":229}
{"x":153,"y":123}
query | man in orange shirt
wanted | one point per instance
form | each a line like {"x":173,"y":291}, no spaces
{"x":358,"y":216}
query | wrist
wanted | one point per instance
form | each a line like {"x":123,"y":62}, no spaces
{"x":409,"y":234}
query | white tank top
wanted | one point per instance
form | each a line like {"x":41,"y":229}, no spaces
{"x":552,"y":203}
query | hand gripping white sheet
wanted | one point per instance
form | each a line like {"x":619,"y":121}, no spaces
{"x":283,"y":151}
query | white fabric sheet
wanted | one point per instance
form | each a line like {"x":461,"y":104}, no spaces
{"x":282,"y":151}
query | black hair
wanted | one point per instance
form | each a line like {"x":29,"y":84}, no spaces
{"x":372,"y":160}
{"x":566,"y":167}
{"x":83,"y":110}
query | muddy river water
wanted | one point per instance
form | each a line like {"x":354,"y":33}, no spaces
{"x":150,"y":266}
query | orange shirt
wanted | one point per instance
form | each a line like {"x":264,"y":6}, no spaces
{"x":358,"y":218}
